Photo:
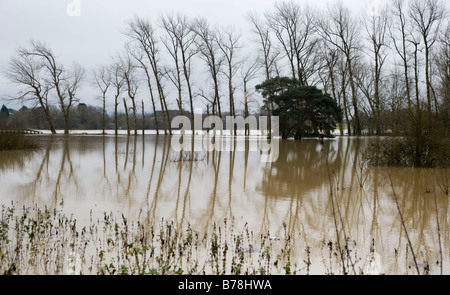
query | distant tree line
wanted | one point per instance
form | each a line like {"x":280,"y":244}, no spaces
{"x":83,"y":117}
{"x":388,"y":70}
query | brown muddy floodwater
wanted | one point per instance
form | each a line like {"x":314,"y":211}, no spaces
{"x":89,"y":175}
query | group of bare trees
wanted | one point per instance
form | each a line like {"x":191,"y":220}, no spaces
{"x":41,"y":74}
{"x":378,"y":66}
{"x":359,"y":58}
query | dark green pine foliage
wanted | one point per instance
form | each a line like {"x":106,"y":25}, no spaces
{"x":304,"y":111}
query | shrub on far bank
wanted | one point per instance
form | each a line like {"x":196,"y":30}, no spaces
{"x":426,"y":145}
{"x":16,"y":141}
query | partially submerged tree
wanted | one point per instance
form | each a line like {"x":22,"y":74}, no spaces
{"x":143,"y":34}
{"x":303,"y":110}
{"x":341,"y":30}
{"x":142,"y":63}
{"x":427,"y":17}
{"x":182,"y":48}
{"x":249,"y":71}
{"x":102,"y":80}
{"x":118,"y":83}
{"x":37,"y":69}
{"x":128,"y":70}
{"x":376,"y":32}
{"x":210,"y":53}
{"x":63,"y":83}
{"x":28,"y":72}
{"x":228,"y":41}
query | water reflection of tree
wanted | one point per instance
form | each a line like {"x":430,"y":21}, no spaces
{"x":44,"y":181}
{"x":369,"y":213}
{"x":15,"y":159}
{"x":216,"y":157}
{"x":293,"y":190}
{"x":415,"y":190}
{"x":65,"y":155}
{"x":164,"y":157}
{"x":301,"y":167}
{"x":43,"y":169}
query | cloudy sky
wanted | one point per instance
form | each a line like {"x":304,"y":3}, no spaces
{"x":90,"y":31}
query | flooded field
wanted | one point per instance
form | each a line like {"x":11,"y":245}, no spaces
{"x":318,"y":209}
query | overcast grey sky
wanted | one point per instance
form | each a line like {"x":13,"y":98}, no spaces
{"x":89,"y":31}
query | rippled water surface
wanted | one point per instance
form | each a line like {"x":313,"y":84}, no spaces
{"x":87,"y":175}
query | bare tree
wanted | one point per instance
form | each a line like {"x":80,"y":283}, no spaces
{"x":427,"y":15}
{"x":143,"y":64}
{"x":331,"y":57}
{"x":249,"y":71}
{"x":71,"y":85}
{"x":102,"y":80}
{"x":173,"y":48}
{"x":228,"y":42}
{"x":210,"y":53}
{"x":307,"y":49}
{"x":442,"y":60}
{"x":295,"y":29}
{"x":28,"y":72}
{"x":401,"y":47}
{"x":182,"y":36}
{"x":118,"y":82}
{"x":341,"y":30}
{"x":143,"y":33}
{"x":376,"y":28}
{"x":414,"y":41}
{"x":63,"y":83}
{"x":284,"y":22}
{"x":269,"y":54}
{"x":364,"y":74}
{"x":342,"y":93}
{"x":131,"y":84}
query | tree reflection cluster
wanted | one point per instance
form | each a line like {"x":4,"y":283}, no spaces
{"x":288,"y":199}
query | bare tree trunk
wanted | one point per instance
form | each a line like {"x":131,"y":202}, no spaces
{"x":357,"y":130}
{"x":143,"y":119}
{"x":150,"y":88}
{"x":104,"y":115}
{"x":134,"y":116}
{"x":116,"y":104}
{"x":344,"y":97}
{"x":126,"y":116}
{"x":103,"y":80}
{"x":48,"y":118}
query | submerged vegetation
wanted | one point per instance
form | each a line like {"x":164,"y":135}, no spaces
{"x":424,"y":143}
{"x":43,"y":241}
{"x":16,"y":141}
